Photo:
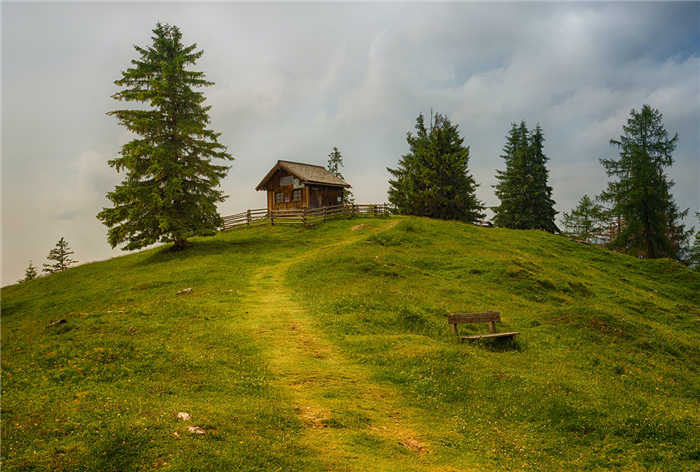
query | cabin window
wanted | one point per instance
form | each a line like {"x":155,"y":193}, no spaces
{"x":296,"y":195}
{"x":289,"y":180}
{"x":279,"y":197}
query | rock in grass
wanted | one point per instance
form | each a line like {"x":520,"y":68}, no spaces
{"x":184,"y":416}
{"x":195,"y":430}
{"x":56,"y":323}
{"x":185,"y":291}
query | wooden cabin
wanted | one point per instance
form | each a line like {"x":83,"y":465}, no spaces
{"x":296,"y":186}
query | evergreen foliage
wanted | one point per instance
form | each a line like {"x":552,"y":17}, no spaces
{"x":433,"y":179}
{"x":586,"y":222}
{"x":611,"y":222}
{"x":335,"y":162}
{"x":693,"y":254}
{"x":59,"y":254}
{"x":169,"y":191}
{"x":650,"y":221}
{"x":30,"y":273}
{"x":526,"y":199}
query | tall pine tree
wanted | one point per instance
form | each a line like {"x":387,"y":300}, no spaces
{"x":433,"y":179}
{"x":169,"y":191}
{"x":650,"y":221}
{"x":526,"y":198}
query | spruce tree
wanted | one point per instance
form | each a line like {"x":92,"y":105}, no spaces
{"x":693,"y":254}
{"x":335,"y":162}
{"x":510,"y":213}
{"x":433,"y":179}
{"x":30,"y":273}
{"x":586,"y":222}
{"x":650,"y":221}
{"x":169,"y":191}
{"x":59,"y":254}
{"x":526,"y":198}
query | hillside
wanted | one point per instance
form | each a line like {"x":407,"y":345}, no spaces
{"x":327,"y":348}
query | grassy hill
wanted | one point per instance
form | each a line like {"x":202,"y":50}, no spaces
{"x":327,"y":348}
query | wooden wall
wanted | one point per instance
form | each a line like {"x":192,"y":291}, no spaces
{"x":320,"y":196}
{"x":312,"y":196}
{"x":274,"y":186}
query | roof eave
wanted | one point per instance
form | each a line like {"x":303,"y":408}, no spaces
{"x":267,"y":177}
{"x":326,"y":184}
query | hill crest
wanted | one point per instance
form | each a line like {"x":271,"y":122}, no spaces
{"x":335,"y":341}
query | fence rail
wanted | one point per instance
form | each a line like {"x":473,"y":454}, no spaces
{"x":303,"y":217}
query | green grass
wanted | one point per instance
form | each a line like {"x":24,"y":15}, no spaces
{"x":327,"y":348}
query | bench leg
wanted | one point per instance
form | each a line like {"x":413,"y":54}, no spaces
{"x":492,"y":326}
{"x":454,"y":329}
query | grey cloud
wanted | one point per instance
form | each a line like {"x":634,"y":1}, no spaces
{"x":295,"y":79}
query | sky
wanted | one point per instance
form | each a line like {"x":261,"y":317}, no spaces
{"x":293,"y":80}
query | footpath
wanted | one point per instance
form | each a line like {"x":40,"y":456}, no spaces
{"x":352,"y":422}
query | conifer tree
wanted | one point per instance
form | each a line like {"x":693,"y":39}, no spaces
{"x":526,"y":198}
{"x":169,"y":191}
{"x":335,"y":162}
{"x":433,"y":179}
{"x":650,"y":220}
{"x":586,"y":222}
{"x":30,"y":273}
{"x":59,"y":254}
{"x":693,"y":255}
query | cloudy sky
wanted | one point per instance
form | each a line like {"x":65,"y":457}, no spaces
{"x":293,"y":80}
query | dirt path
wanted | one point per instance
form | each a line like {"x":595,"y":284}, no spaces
{"x":352,"y":423}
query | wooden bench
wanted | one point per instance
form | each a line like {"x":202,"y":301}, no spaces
{"x":489,"y":317}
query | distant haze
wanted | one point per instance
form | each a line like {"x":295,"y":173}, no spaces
{"x":295,"y":80}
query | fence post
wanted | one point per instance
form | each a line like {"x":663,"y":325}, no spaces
{"x":247,"y":216}
{"x":303,"y":217}
{"x":272,"y":218}
{"x":324,"y":213}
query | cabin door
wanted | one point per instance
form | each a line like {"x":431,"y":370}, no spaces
{"x":315,"y":199}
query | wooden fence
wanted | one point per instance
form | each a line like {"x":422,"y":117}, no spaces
{"x":302,"y":217}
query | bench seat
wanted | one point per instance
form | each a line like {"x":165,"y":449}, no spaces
{"x":474,"y":337}
{"x":490,"y":317}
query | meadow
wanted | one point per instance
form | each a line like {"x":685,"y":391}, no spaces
{"x":327,"y":348}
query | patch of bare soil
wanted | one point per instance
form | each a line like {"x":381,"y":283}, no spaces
{"x":415,"y":445}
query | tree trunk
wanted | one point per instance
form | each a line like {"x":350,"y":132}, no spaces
{"x":180,"y":244}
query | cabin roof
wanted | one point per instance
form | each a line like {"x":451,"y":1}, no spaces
{"x":306,"y":173}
